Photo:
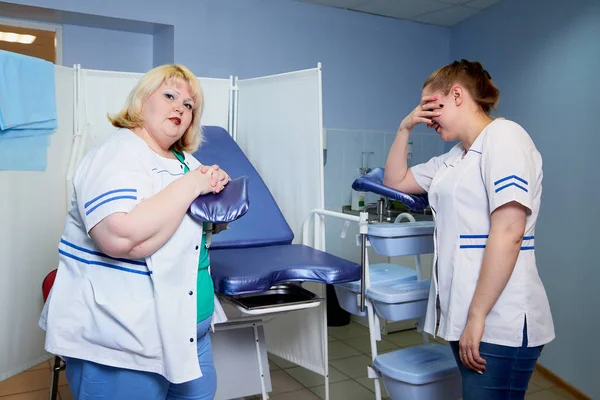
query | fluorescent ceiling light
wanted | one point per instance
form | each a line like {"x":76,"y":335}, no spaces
{"x":16,"y":38}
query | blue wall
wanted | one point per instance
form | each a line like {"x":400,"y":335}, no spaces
{"x":369,"y":63}
{"x":106,"y":49}
{"x":163,"y":49}
{"x":545,"y":57}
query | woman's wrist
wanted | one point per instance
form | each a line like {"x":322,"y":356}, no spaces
{"x":193,"y":184}
{"x":476,"y":314}
{"x":403,"y":131}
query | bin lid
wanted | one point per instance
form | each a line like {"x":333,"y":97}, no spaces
{"x":384,"y":274}
{"x":418,"y":365}
{"x":400,"y":292}
{"x":402,"y":229}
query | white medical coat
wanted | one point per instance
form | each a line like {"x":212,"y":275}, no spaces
{"x":134,"y":314}
{"x":502,"y":165}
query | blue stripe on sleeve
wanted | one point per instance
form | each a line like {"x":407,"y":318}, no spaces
{"x":99,"y":254}
{"x":86,"y":205}
{"x":511,"y":177}
{"x":103,"y":264}
{"x":509,"y":185}
{"x":88,"y":212}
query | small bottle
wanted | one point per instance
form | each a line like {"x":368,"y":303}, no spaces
{"x":358,"y":197}
{"x":354,"y":205}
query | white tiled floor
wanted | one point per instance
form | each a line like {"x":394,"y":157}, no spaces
{"x":349,"y":355}
{"x":349,"y":352}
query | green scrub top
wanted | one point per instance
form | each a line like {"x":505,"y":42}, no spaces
{"x":205,"y":290}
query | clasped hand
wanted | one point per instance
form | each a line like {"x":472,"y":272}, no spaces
{"x":217,"y":177}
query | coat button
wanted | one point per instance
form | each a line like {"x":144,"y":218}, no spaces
{"x":191,"y":293}
{"x":191,"y":340}
{"x":197,"y":247}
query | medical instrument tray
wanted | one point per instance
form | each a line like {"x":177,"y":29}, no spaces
{"x":288,"y":296}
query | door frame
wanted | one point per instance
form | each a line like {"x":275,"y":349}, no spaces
{"x":44,"y":26}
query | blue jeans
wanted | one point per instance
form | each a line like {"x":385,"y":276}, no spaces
{"x":91,"y":381}
{"x":507,"y":371}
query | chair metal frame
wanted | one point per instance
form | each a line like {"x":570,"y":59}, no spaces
{"x":58,"y":364}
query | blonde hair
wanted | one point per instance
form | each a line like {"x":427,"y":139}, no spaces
{"x":472,"y":76}
{"x":131,"y":115}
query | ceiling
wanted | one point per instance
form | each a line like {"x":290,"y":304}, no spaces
{"x":435,"y":12}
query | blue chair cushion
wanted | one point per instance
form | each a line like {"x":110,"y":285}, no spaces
{"x":255,"y":270}
{"x":224,"y":207}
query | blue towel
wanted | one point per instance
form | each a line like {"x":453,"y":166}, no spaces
{"x":27,"y":91}
{"x":24,"y":154}
{"x":37,"y":129}
{"x":27,"y":111}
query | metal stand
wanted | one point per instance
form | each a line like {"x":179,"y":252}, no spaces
{"x":263,"y":387}
{"x":57,"y":365}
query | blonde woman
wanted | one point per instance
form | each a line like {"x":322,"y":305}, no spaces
{"x":132,"y":305}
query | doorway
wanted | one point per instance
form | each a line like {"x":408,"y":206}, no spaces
{"x":32,"y":39}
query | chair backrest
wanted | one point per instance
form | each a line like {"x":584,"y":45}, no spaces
{"x":47,"y":284}
{"x":263,"y":224}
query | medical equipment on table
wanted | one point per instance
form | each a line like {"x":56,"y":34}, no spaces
{"x":254,"y":266}
{"x":427,"y":371}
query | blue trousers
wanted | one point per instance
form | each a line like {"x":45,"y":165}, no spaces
{"x":91,"y":381}
{"x":507,"y":371}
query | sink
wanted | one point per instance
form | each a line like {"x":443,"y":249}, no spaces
{"x":389,"y":215}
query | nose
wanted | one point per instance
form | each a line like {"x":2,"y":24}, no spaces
{"x":178,"y":108}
